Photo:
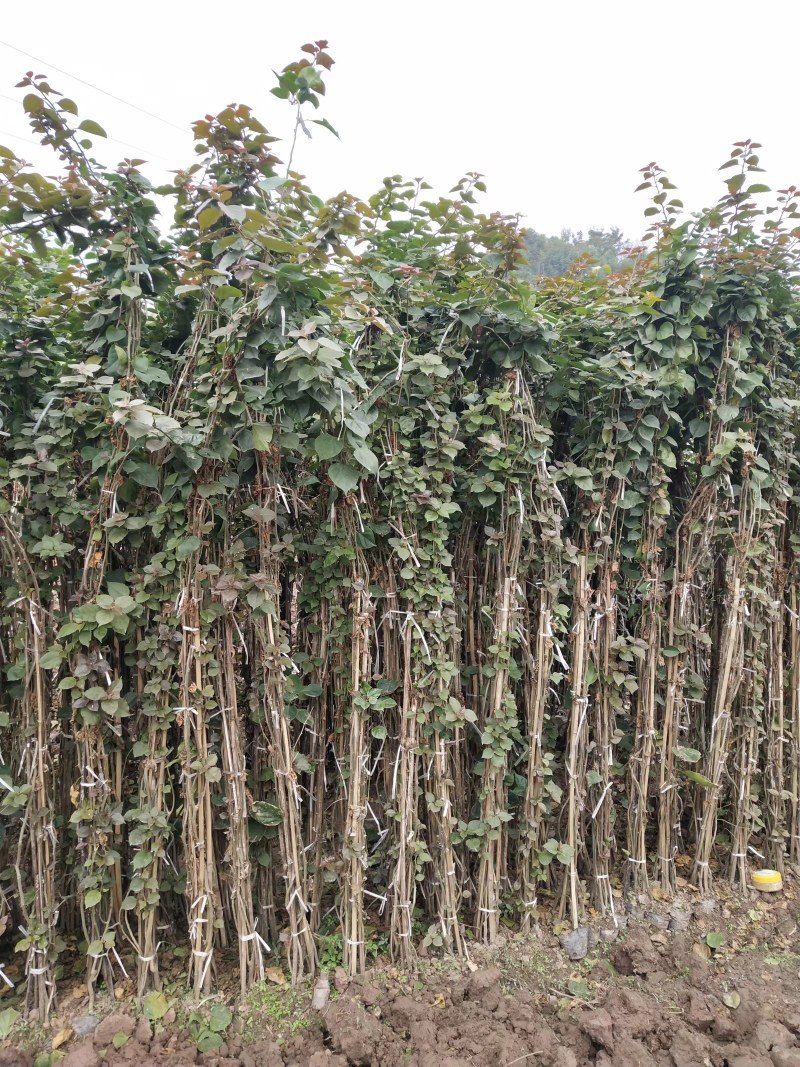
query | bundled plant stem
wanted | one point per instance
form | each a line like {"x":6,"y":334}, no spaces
{"x":354,"y":593}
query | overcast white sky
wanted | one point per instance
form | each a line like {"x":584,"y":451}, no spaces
{"x":557,"y":103}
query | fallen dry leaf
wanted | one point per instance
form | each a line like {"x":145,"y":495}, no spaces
{"x":62,"y":1037}
{"x":275,"y":975}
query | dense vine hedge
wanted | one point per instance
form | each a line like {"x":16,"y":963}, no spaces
{"x":349,"y":584}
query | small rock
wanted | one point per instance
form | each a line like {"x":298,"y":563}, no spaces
{"x":680,"y":919}
{"x":705,"y":908}
{"x":143,"y":1032}
{"x":598,"y":1027}
{"x":699,"y":1014}
{"x":611,"y":934}
{"x":575,"y":943}
{"x":661,"y":922}
{"x":111,"y":1025}
{"x":724,"y":1028}
{"x":636,"y":954}
{"x":322,"y":993}
{"x":341,"y":979}
{"x":84,"y":1025}
{"x":84,"y":1055}
{"x":627,"y":1051}
{"x":786,"y":1057}
{"x":689,"y":1048}
{"x":327,"y":1059}
{"x":771,"y":1036}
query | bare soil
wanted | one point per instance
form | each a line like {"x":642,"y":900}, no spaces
{"x":651,"y":993}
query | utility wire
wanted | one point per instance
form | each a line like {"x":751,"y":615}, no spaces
{"x":105,"y":92}
{"x":16,"y":137}
{"x":116,"y":140}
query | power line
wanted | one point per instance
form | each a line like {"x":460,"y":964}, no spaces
{"x":115,"y":140}
{"x":105,"y":92}
{"x":16,"y":137}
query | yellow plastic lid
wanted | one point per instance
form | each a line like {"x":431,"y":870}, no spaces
{"x":767,"y":879}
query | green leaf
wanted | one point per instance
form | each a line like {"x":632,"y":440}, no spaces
{"x":92,"y":898}
{"x":700,"y":779}
{"x":565,"y":853}
{"x":383,"y":281}
{"x":367,"y":458}
{"x":269,"y":185}
{"x":32,"y":103}
{"x":52,"y":659}
{"x":143,"y":474}
{"x":275,"y":244}
{"x":735,"y":183}
{"x":326,"y":125}
{"x":155,"y":1006}
{"x":343,"y":477}
{"x":208,"y":216}
{"x":187,"y":547}
{"x":8,"y":1016}
{"x":327,"y":447}
{"x":208,"y":1040}
{"x":714,"y":940}
{"x":688,"y":755}
{"x":262,"y":435}
{"x":142,"y":859}
{"x":90,"y":126}
{"x":265,"y":813}
{"x":727,"y":412}
{"x":221,"y":1018}
{"x":235,"y":212}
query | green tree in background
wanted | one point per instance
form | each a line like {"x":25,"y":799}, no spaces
{"x":554,"y":256}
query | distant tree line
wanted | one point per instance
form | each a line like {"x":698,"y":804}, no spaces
{"x":554,"y":256}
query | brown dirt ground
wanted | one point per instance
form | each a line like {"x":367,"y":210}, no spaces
{"x":644,"y":996}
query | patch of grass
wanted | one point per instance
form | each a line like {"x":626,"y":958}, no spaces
{"x":268,"y":1009}
{"x":780,"y":959}
{"x":28,"y":1034}
{"x":330,"y":951}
